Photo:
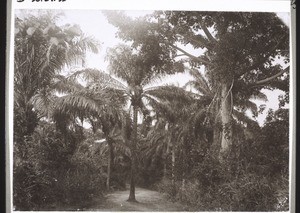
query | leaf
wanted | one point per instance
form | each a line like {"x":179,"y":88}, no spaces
{"x":30,"y":31}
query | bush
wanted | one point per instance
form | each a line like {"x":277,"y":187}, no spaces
{"x":168,"y":188}
{"x":32,"y":188}
{"x":83,"y":179}
{"x":33,"y":181}
{"x":249,"y":192}
{"x":213,"y":188}
{"x":52,"y":174}
{"x":78,"y":185}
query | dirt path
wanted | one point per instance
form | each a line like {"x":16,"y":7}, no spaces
{"x":148,"y":200}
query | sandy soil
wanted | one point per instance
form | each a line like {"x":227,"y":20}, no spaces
{"x":148,"y":200}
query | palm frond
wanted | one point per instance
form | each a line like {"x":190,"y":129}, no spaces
{"x":163,"y":109}
{"x":120,"y":146}
{"x":168,"y":93}
{"x":65,"y":85}
{"x":100,"y":78}
{"x":242,"y":118}
{"x":88,"y":43}
{"x":152,"y":78}
{"x":200,"y":81}
{"x":79,"y":102}
{"x":259,"y":96}
{"x":196,"y":85}
{"x":43,"y":103}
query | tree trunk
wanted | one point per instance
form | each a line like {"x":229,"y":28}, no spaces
{"x":133,"y":157}
{"x":166,"y":159}
{"x":173,"y":164}
{"x":108,"y":171}
{"x":216,"y":142}
{"x":226,"y":119}
{"x":110,"y":162}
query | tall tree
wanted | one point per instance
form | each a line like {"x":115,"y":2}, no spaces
{"x":237,"y":49}
{"x":86,"y":99}
{"x":174,"y":111}
{"x":138,"y":70}
{"x":42,"y":49}
{"x":209,"y":95}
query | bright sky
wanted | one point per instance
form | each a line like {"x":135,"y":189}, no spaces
{"x":93,"y":23}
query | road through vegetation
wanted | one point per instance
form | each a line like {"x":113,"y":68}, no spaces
{"x":148,"y":200}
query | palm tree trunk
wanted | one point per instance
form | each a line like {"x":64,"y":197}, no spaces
{"x":108,"y":171}
{"x":173,"y":164}
{"x":226,"y":119}
{"x":133,"y":157}
{"x":166,"y":159}
{"x":109,"y":163}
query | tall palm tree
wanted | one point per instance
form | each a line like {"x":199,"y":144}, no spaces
{"x":113,"y":133}
{"x":100,"y":101}
{"x":42,"y":49}
{"x":136,"y":74}
{"x":92,"y":103}
{"x":192,"y":115}
{"x":177,"y":114}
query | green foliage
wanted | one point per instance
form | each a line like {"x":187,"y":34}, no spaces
{"x":42,"y":50}
{"x":54,"y":173}
{"x":254,"y":178}
{"x":43,"y":151}
{"x":168,"y":188}
{"x":80,"y":188}
{"x":25,"y":121}
{"x":33,"y":174}
{"x":238,"y":55}
{"x":213,"y":189}
{"x":155,"y":55}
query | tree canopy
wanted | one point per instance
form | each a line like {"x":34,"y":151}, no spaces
{"x":238,"y":53}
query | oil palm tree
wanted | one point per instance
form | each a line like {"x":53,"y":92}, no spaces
{"x":91,"y":103}
{"x":42,"y":50}
{"x":176,"y":113}
{"x":136,"y":74}
{"x":196,"y":110}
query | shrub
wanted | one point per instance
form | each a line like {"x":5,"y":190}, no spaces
{"x":78,"y":185}
{"x":53,"y":174}
{"x":32,"y":188}
{"x":214,"y":188}
{"x":167,"y":187}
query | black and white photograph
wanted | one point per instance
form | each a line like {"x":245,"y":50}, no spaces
{"x":150,"y":110}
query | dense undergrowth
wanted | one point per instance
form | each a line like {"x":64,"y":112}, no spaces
{"x":259,"y":181}
{"x":56,"y":173}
